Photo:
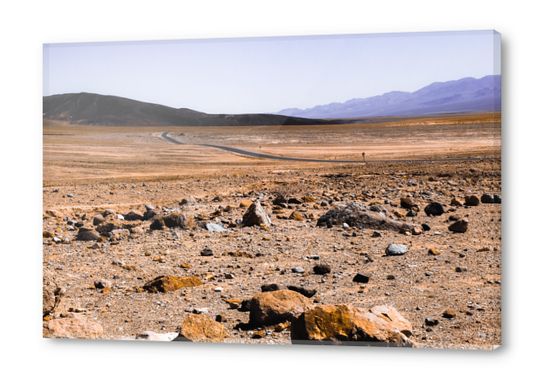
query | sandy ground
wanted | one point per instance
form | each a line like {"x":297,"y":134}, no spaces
{"x":125,"y":169}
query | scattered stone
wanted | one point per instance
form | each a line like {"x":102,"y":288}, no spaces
{"x":258,"y":334}
{"x":245,"y":204}
{"x":73,"y":326}
{"x":376,"y":234}
{"x":487,"y":199}
{"x":214,"y":227}
{"x":341,"y":323}
{"x":132,"y":216}
{"x":282,"y":326}
{"x":379,"y":209}
{"x":355,"y":215}
{"x":52,"y":294}
{"x":101,"y":284}
{"x":171,"y":283}
{"x":98,"y":219}
{"x":255,"y":215}
{"x":431,"y":321}
{"x":296,"y":216}
{"x":434,"y":209}
{"x":321,"y":269}
{"x":172,"y":220}
{"x":190,"y":200}
{"x":426,"y":227}
{"x":270,"y":308}
{"x":497,"y":199}
{"x":360,"y":278}
{"x":298,"y":270}
{"x":108,"y":212}
{"x":406,"y":203}
{"x":207,"y":252}
{"x":411,"y":213}
{"x":87,"y":235}
{"x":303,"y":291}
{"x":396,"y":249}
{"x":459,"y":226}
{"x":472,"y":200}
{"x":460,"y":269}
{"x":271,"y":287}
{"x":152,"y":336}
{"x":433,"y":251}
{"x":199,"y":328}
{"x":221,"y":318}
{"x":448,"y":314}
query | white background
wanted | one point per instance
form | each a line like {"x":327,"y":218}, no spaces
{"x":26,"y":26}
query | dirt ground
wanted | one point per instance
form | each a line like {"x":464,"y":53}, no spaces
{"x":125,"y":168}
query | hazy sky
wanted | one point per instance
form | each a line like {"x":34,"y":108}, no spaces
{"x":248,"y":75}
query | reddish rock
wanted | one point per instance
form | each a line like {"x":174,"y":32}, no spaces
{"x":199,"y":328}
{"x":459,"y":226}
{"x":52,"y":294}
{"x":255,"y":215}
{"x":270,"y":308}
{"x":73,"y":326}
{"x":344,"y":323}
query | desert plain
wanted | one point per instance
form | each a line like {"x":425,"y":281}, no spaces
{"x":114,"y":183}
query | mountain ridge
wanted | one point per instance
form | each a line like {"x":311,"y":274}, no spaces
{"x":454,"y":96}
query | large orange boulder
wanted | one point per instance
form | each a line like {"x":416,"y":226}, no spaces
{"x":270,"y":308}
{"x":345,"y":324}
{"x":73,"y":326}
{"x":199,"y":328}
{"x":171,"y":283}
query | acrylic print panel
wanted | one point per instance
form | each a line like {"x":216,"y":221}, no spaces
{"x":336,"y":189}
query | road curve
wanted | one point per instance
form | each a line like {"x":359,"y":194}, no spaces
{"x":266,"y":156}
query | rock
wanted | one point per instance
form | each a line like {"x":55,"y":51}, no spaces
{"x":360,"y":278}
{"x":98,"y":219}
{"x":411,"y":213}
{"x":434,"y":209}
{"x":271,"y":287}
{"x":487,"y":199}
{"x":460,"y":269}
{"x":431,"y":322}
{"x":108,"y":212}
{"x":148,"y":215}
{"x":355,"y":215}
{"x":220,"y":318}
{"x":303,"y":291}
{"x":270,"y":308}
{"x":433,"y":252}
{"x":73,"y":326}
{"x":258,"y":334}
{"x":214,"y":227}
{"x":396,"y":249}
{"x":448,"y":314}
{"x":199,"y":328}
{"x":379,"y":209}
{"x":376,"y":234}
{"x":190,"y":200}
{"x":280,"y":199}
{"x":472,"y":200}
{"x":255,"y":215}
{"x":337,"y":324}
{"x":133,"y":215}
{"x":52,"y":294}
{"x":282,"y":326}
{"x":101,"y":284}
{"x":152,"y":336}
{"x":119,"y":233}
{"x":321,"y":269}
{"x":406,"y":203}
{"x":308,"y":199}
{"x":293,"y":200}
{"x":245,"y":204}
{"x":459,"y":226}
{"x":296,"y":216}
{"x":456,"y":203}
{"x":497,"y":199}
{"x":87,"y":235}
{"x":171,"y":283}
{"x":298,"y":270}
{"x":172,"y":220}
{"x":207,"y":252}
{"x":148,"y":207}
{"x":426,"y":227}
{"x":324,"y":204}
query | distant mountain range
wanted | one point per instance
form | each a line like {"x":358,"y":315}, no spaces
{"x":94,"y":109}
{"x":456,"y":96}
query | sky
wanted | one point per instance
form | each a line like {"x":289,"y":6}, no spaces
{"x":265,"y":75}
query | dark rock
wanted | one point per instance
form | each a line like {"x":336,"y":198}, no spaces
{"x":172,"y":220}
{"x":376,"y":234}
{"x":472,"y":201}
{"x":379,"y":209}
{"x":98,"y":219}
{"x":448,"y":314}
{"x":271,"y":287}
{"x":434,"y":209}
{"x":207,"y":252}
{"x":487,"y":199}
{"x":406,"y":203}
{"x":459,"y":226}
{"x":497,"y":199}
{"x":294,"y":201}
{"x":132,"y":216}
{"x":431,"y":322}
{"x":322,"y":269}
{"x":360,"y":278}
{"x":255,"y":215}
{"x":460,"y":269}
{"x":411,"y":213}
{"x":303,"y":291}
{"x":426,"y":227}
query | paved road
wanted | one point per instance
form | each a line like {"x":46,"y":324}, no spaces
{"x":258,"y":155}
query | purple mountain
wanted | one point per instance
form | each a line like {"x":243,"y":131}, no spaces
{"x":456,"y":96}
